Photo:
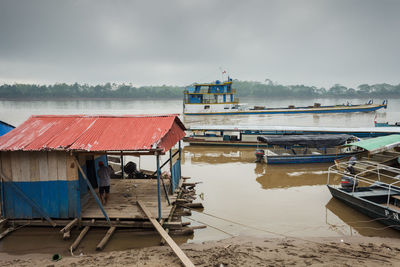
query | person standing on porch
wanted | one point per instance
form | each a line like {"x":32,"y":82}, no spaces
{"x":104,"y":176}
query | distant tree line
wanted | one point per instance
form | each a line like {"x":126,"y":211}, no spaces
{"x":244,"y":89}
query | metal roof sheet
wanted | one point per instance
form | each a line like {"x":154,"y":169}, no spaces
{"x":378,"y":144}
{"x":95,"y":133}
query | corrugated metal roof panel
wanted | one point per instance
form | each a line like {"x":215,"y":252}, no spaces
{"x":95,"y":133}
{"x":378,"y":144}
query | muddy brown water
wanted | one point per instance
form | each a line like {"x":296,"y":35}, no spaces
{"x":240,"y":197}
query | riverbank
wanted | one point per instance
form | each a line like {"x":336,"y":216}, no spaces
{"x":238,"y":251}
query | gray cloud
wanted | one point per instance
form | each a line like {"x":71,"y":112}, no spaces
{"x":178,"y":42}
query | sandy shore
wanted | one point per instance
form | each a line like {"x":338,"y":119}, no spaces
{"x":238,"y":251}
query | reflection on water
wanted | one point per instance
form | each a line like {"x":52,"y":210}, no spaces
{"x":282,"y":199}
{"x":278,"y":176}
{"x":217,"y":155}
{"x":345,"y":220}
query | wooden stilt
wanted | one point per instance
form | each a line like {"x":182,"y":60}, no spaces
{"x":69,"y":226}
{"x":79,"y":238}
{"x":194,"y":205}
{"x":106,"y":238}
{"x":6,"y":232}
{"x":177,"y":250}
{"x":67,"y":235}
{"x":3,"y":222}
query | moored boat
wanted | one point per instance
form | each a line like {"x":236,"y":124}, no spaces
{"x":294,"y":149}
{"x":246,"y":135}
{"x":219,"y":98}
{"x":387,"y":124}
{"x":367,"y":193}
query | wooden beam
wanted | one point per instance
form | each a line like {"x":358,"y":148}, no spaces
{"x":6,"y":232}
{"x":3,"y":222}
{"x":125,"y":153}
{"x":92,"y":191}
{"x":67,"y":235}
{"x":101,"y":223}
{"x":194,"y":205}
{"x":68,"y":227}
{"x":179,"y":194}
{"x":177,"y":250}
{"x":106,"y":238}
{"x":79,"y":238}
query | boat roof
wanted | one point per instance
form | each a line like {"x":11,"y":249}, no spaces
{"x":393,"y":130}
{"x":216,"y":83}
{"x":312,"y":140}
{"x":378,"y":144}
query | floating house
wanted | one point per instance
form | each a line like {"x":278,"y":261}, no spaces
{"x":5,"y":128}
{"x":48,"y":168}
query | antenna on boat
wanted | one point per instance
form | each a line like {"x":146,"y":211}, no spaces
{"x":222,"y":74}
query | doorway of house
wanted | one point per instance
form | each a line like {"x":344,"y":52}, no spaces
{"x":91,"y":172}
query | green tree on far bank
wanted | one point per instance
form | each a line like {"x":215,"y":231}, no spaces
{"x":244,"y":89}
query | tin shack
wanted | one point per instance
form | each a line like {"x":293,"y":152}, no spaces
{"x":48,"y":169}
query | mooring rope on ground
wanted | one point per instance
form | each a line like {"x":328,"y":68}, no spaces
{"x":210,"y":226}
{"x":293,"y":237}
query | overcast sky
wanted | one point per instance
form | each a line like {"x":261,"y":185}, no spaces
{"x":312,"y":42}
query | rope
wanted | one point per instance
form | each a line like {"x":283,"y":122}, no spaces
{"x":293,"y":237}
{"x":210,"y":226}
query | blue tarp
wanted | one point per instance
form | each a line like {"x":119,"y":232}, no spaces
{"x":5,"y":128}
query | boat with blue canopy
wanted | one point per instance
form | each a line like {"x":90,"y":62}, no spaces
{"x":296,"y":149}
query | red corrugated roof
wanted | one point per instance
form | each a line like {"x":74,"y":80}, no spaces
{"x":95,"y":133}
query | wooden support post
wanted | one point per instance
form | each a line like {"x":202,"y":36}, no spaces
{"x":79,"y":238}
{"x":180,"y":160}
{"x":122,"y":165}
{"x":165,"y":163}
{"x":92,"y":191}
{"x":158,"y":187}
{"x":171,"y":169}
{"x":68,"y":227}
{"x":105,"y":239}
{"x":3,"y":206}
{"x":162,"y":180}
{"x":177,"y":250}
{"x":6,"y":232}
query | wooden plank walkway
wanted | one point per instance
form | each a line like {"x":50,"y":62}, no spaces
{"x":175,"y":248}
{"x":124,"y":194}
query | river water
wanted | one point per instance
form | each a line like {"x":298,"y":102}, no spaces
{"x":240,"y":197}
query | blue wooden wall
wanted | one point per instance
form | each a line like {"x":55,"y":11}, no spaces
{"x":176,"y":174}
{"x":59,"y":199}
